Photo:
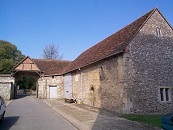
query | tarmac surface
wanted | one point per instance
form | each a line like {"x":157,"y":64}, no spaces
{"x":88,"y":118}
{"x":29,"y":113}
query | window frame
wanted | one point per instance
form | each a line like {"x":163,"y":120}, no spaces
{"x":165,"y":94}
{"x":159,"y":31}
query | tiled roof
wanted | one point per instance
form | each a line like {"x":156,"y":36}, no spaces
{"x":51,"y":67}
{"x":110,"y":46}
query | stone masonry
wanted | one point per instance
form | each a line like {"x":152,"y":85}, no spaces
{"x":136,"y":77}
{"x":131,"y":82}
{"x":6,"y":86}
{"x":100,"y":85}
{"x":45,"y":82}
{"x":149,"y":66}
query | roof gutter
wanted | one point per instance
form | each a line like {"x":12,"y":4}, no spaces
{"x":79,"y":68}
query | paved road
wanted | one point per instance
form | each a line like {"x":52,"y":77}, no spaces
{"x":29,"y":113}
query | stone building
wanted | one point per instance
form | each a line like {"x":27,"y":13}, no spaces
{"x":50,"y":82}
{"x":47,"y":73}
{"x":6,"y":86}
{"x":131,"y":71}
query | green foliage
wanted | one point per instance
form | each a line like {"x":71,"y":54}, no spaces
{"x":153,"y":120}
{"x":9,"y":56}
{"x":27,"y":83}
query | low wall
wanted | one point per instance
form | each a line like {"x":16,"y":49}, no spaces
{"x":6,"y":86}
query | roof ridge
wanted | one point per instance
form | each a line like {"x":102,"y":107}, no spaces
{"x":51,"y":60}
{"x":150,"y":12}
{"x":108,"y":46}
{"x":51,"y":67}
{"x":19,"y":63}
{"x":149,"y":15}
{"x":164,"y":18}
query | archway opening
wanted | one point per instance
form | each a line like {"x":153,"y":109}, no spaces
{"x":26,"y":83}
{"x":26,"y":74}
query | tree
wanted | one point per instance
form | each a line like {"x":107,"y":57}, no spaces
{"x":27,"y":83}
{"x":9,"y":56}
{"x":51,"y":52}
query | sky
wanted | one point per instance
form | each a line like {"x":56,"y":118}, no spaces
{"x":72,"y":26}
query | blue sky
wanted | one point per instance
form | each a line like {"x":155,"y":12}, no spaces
{"x":71,"y":25}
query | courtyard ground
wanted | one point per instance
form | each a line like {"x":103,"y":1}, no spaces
{"x":89,"y":118}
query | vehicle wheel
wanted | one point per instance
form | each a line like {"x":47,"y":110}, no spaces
{"x":2,"y":118}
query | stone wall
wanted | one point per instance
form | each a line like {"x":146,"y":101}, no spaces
{"x":111,"y":88}
{"x":130,"y":83}
{"x":100,"y":85}
{"x":82,"y":82}
{"x":6,"y":86}
{"x":45,"y":82}
{"x":149,"y":66}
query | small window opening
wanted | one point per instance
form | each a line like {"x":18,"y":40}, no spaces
{"x":167,"y":94}
{"x":161,"y":94}
{"x":102,"y":74}
{"x":158,"y":32}
{"x":164,"y":94}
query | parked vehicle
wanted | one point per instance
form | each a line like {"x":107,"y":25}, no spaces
{"x":2,"y":108}
{"x":167,"y":121}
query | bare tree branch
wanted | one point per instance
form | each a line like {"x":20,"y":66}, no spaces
{"x":52,"y":52}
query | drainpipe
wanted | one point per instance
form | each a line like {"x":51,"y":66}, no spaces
{"x":81,"y":84}
{"x":46,"y":88}
{"x":43,"y":87}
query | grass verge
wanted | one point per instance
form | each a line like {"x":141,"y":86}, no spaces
{"x":152,"y":120}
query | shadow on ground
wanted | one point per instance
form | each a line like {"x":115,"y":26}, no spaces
{"x":8,"y":122}
{"x":109,"y":120}
{"x":24,"y":95}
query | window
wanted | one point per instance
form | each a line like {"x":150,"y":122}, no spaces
{"x":158,"y":32}
{"x":101,"y":73}
{"x":165,"y":94}
{"x":161,"y":94}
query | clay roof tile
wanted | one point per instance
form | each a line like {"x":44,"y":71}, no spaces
{"x":51,"y":67}
{"x":112,"y":45}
